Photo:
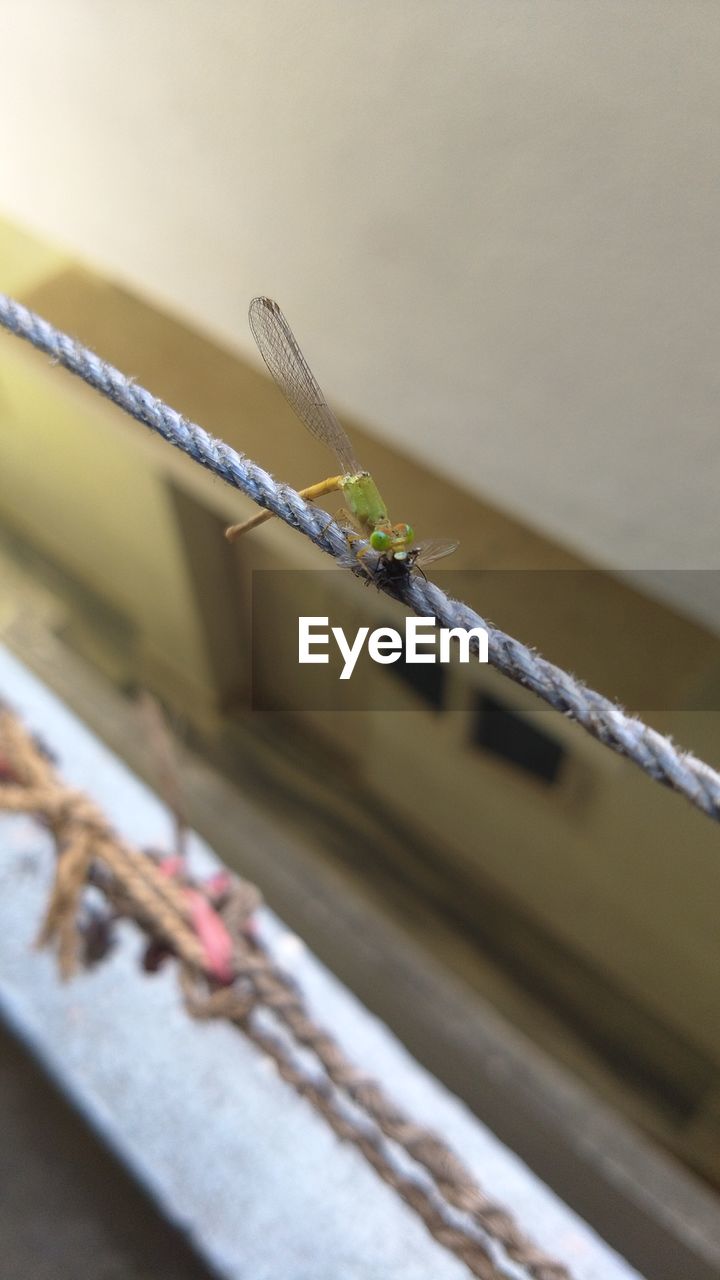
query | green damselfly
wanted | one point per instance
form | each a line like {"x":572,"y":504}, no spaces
{"x":366,"y":511}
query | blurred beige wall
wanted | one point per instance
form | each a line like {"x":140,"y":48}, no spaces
{"x":494,"y":226}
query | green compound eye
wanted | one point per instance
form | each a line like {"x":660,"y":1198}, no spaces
{"x":379,"y":540}
{"x":409,"y":534}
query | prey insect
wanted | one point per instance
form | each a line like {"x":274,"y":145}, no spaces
{"x":366,"y":510}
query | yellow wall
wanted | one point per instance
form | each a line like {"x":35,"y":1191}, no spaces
{"x":621,"y":873}
{"x":493,"y":225}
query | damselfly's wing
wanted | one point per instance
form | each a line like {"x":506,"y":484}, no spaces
{"x":432,"y":549}
{"x":290,"y":370}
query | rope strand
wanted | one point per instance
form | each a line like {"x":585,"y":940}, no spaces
{"x":603,"y":719}
{"x":440,"y":1189}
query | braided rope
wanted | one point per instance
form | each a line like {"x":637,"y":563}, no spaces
{"x":440,"y":1190}
{"x":601,"y":718}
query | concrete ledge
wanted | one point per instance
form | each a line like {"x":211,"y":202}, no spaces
{"x":227,"y":1149}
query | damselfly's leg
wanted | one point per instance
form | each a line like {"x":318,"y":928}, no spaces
{"x":331,"y":485}
{"x":342,"y":516}
{"x":352,"y":538}
{"x":345,"y":517}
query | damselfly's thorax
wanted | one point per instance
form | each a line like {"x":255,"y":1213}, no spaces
{"x":364,"y":501}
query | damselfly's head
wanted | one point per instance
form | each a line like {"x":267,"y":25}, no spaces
{"x":392,"y":540}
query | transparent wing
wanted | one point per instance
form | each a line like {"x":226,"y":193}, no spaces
{"x":435,"y":549}
{"x":289,"y":368}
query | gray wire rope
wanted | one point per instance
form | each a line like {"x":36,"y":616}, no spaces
{"x":601,"y":718}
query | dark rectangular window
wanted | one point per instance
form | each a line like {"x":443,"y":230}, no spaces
{"x":504,"y":733}
{"x":427,"y":679}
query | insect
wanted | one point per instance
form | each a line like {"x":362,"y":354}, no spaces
{"x":367,"y":512}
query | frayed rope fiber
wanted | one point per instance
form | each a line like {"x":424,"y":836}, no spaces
{"x":604,"y":720}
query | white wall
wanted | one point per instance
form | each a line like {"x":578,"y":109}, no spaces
{"x":494,"y":226}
